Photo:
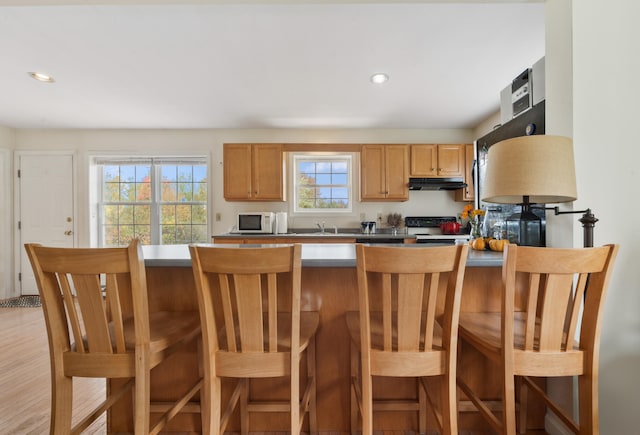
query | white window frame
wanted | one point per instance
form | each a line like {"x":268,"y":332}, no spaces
{"x":350,"y":158}
{"x":155,"y":203}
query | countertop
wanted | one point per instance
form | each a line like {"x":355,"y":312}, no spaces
{"x":327,"y":234}
{"x":313,"y":255}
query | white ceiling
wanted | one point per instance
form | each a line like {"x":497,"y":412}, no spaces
{"x":262,"y":64}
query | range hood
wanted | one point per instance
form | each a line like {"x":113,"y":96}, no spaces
{"x":436,"y":183}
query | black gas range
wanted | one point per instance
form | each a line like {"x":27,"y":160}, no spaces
{"x":427,"y":230}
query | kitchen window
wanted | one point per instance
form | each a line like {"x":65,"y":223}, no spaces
{"x":322,"y":183}
{"x":162,"y":201}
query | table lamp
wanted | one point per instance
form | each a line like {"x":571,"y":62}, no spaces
{"x":526,"y":170}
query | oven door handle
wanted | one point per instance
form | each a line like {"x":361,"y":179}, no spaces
{"x":434,"y":241}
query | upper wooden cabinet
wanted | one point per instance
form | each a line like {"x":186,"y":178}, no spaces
{"x":253,"y":172}
{"x":467,"y":193}
{"x":437,"y":160}
{"x":384,"y":173}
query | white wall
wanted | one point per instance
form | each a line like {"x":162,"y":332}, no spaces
{"x":559,"y":104}
{"x":489,"y":124}
{"x":606,"y":91}
{"x":130,"y":142}
{"x":6,"y":214}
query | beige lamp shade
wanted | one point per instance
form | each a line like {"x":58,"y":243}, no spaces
{"x":540,"y":167}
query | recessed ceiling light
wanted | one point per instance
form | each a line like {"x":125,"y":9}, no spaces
{"x":41,"y":77}
{"x":379,"y":78}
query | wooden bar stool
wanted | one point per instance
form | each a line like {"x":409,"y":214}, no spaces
{"x":564,"y":296}
{"x":246,"y":336}
{"x":114,"y":335}
{"x":395,"y":332}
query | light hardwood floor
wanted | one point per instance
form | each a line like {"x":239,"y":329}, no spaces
{"x":25,"y":389}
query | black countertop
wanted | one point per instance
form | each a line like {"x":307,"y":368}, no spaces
{"x":327,"y":234}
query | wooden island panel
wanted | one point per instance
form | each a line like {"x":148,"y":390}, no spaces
{"x":331,"y":291}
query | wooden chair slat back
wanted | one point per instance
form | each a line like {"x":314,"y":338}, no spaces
{"x":114,"y":310}
{"x":558,"y":280}
{"x":558,"y":289}
{"x":272,"y":296}
{"x":248,"y":292}
{"x":576,"y":303}
{"x":402,"y":284}
{"x":387,"y":303}
{"x":227,"y":307}
{"x":72,"y":313}
{"x":239,"y":290}
{"x":410,"y":292}
{"x":93,"y":309}
{"x":432,"y":301}
{"x":70,"y":281}
{"x":532,"y":307}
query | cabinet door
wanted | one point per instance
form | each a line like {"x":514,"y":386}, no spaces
{"x":451,"y":160}
{"x":253,"y":172}
{"x":467,"y":193}
{"x":372,"y":172}
{"x":268,"y":172}
{"x":222,"y":240}
{"x":237,"y":171}
{"x":396,"y":172}
{"x":424,"y":159}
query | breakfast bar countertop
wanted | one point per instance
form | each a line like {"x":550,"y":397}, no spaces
{"x":313,"y":255}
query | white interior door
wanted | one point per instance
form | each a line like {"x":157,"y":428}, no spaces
{"x":45,"y":207}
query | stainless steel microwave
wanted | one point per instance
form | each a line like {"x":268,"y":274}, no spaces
{"x":256,"y":222}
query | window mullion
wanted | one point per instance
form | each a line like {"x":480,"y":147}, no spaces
{"x":101,"y":220}
{"x":156,"y":236}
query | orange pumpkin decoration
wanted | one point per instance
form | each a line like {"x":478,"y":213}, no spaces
{"x":498,"y":245}
{"x":478,"y":244}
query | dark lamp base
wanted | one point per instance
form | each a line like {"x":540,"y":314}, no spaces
{"x":525,"y":228}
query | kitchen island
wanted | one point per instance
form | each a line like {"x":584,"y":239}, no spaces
{"x":329,"y":286}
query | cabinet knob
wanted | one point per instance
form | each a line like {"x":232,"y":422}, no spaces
{"x":68,"y":233}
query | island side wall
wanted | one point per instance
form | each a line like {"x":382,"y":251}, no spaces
{"x":332,"y":291}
